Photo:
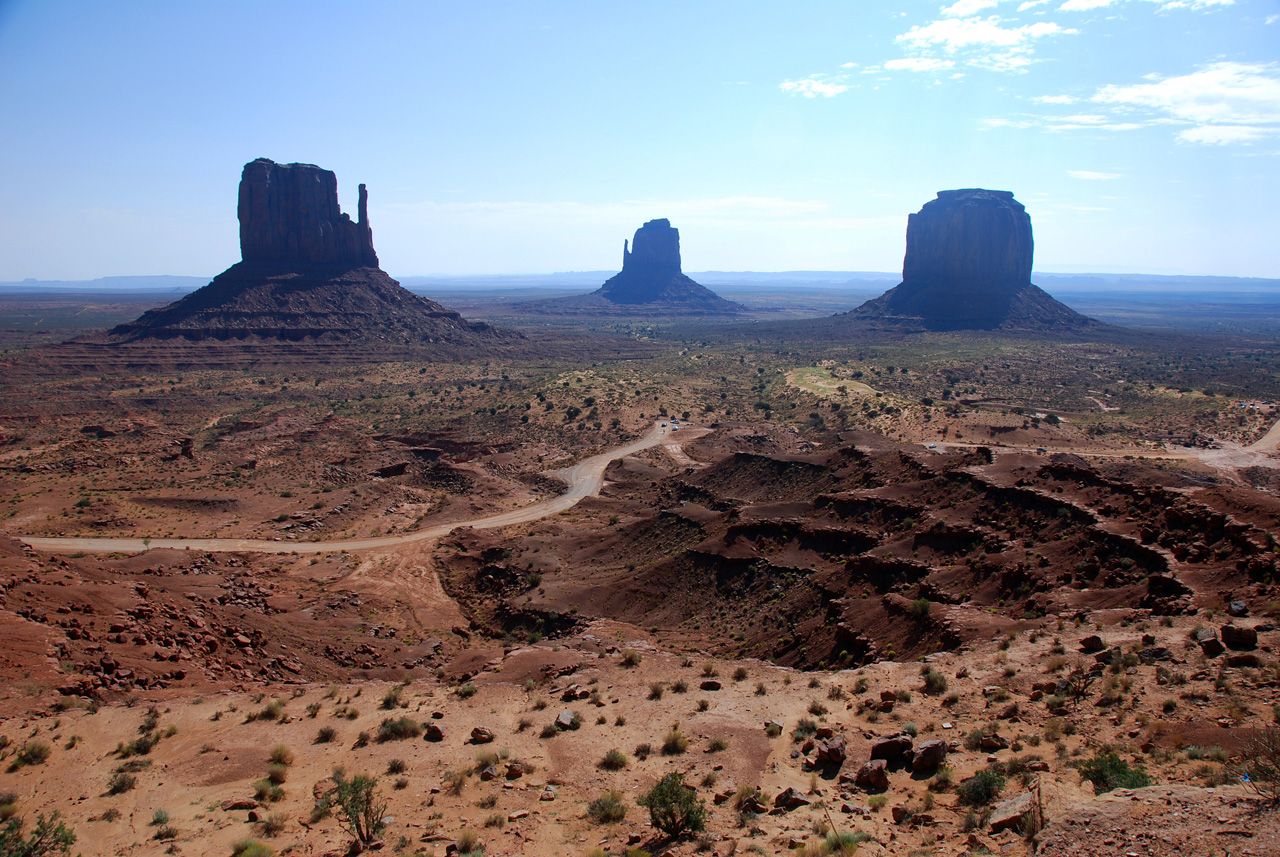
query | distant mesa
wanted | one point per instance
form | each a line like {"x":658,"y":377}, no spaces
{"x":650,"y":283}
{"x":968,"y":267}
{"x":307,"y":273}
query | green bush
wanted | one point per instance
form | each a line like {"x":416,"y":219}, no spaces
{"x":673,"y":807}
{"x":982,"y":788}
{"x":608,"y":808}
{"x":50,"y":837}
{"x":1108,"y":771}
{"x":614,"y":760}
{"x":361,"y":807}
{"x":398,"y":729}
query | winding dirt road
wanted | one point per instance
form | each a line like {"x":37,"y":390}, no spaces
{"x":584,"y":480}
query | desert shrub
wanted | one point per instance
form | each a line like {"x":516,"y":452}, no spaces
{"x":608,"y":808}
{"x":120,"y":783}
{"x":271,"y":711}
{"x":773,"y":730}
{"x":817,"y":709}
{"x":877,"y":802}
{"x":761,"y":690}
{"x":740,"y":674}
{"x":631,"y":658}
{"x":920,"y":607}
{"x":391,"y":699}
{"x":49,"y":837}
{"x":804,"y":729}
{"x":679,"y":686}
{"x":32,"y":753}
{"x":281,"y":755}
{"x":673,"y":808}
{"x":716,"y":745}
{"x":167,"y":831}
{"x":497,"y":819}
{"x":277,"y":773}
{"x":467,"y":690}
{"x":398,"y":729}
{"x":1108,"y":771}
{"x":274,"y":823}
{"x":159,"y":817}
{"x":250,"y":848}
{"x":326,"y":735}
{"x":703,"y":704}
{"x":709,"y":669}
{"x":655,"y":690}
{"x":674,"y":743}
{"x":397,"y":766}
{"x":614,"y":760}
{"x":361,"y":807}
{"x":642,"y":751}
{"x":265,"y":790}
{"x":549,"y":731}
{"x":934,"y":682}
{"x":982,"y":788}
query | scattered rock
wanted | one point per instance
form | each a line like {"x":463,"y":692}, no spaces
{"x":481,"y":735}
{"x":892,"y":748}
{"x":873,"y":776}
{"x":1239,"y":637}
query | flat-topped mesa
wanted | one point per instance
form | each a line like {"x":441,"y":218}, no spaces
{"x":968,"y":267}
{"x":970,"y":238}
{"x":289,"y":216}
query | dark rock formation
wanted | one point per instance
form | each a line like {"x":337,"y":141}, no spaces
{"x":308,"y":273}
{"x":968,"y":266}
{"x":289,"y":216}
{"x":650,"y":283}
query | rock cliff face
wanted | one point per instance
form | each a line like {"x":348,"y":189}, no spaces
{"x":289,"y":215}
{"x":968,"y":266}
{"x":308,"y":273}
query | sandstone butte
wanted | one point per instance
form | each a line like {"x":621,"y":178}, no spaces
{"x":968,"y":267}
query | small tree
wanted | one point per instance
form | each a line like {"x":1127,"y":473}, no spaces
{"x":1260,"y":770}
{"x":50,"y":837}
{"x":361,"y":806}
{"x":674,"y":808}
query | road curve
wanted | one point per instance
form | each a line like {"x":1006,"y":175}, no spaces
{"x":584,"y":480}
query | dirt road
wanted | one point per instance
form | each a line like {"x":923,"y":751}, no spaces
{"x":584,"y":480}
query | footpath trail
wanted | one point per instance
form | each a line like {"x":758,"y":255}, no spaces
{"x":584,"y":479}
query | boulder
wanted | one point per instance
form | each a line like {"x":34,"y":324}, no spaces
{"x":1239,"y":637}
{"x":481,"y":735}
{"x":1092,"y":643}
{"x":873,"y":776}
{"x":564,"y":720}
{"x":434,"y":732}
{"x":930,"y":755}
{"x":789,"y":798}
{"x":831,"y":753}
{"x":1013,"y":813}
{"x":709,"y":684}
{"x":892,"y":748}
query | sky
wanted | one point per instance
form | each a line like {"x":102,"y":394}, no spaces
{"x":516,"y":137}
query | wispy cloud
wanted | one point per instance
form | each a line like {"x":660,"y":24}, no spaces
{"x":1090,"y":175}
{"x":1083,"y":5}
{"x":1227,"y":102}
{"x":1194,"y":5}
{"x":918,"y":64}
{"x":1031,"y":4}
{"x":825,"y":85}
{"x":982,"y":42}
{"x":1054,"y":99}
{"x":965,"y":8}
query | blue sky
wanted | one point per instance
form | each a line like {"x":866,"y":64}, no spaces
{"x":495,"y":137}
